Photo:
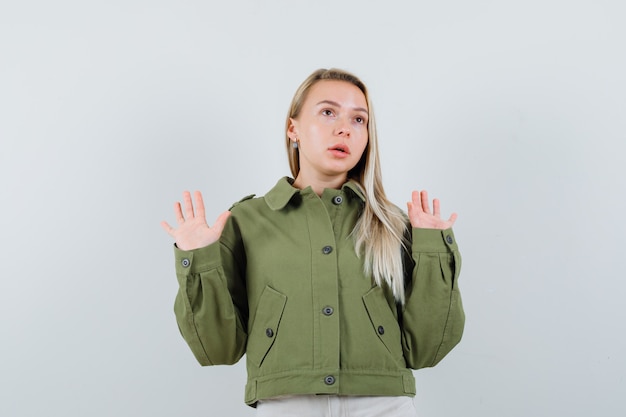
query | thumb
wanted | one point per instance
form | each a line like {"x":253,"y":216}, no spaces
{"x":221,"y":222}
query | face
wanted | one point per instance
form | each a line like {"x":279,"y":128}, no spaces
{"x":331,"y":129}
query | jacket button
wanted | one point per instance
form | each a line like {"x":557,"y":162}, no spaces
{"x":327,"y":249}
{"x":381,"y":330}
{"x":185,"y":262}
{"x":329,"y":380}
{"x":269,"y":332}
{"x":449,"y":239}
{"x":328,"y":310}
{"x":337,"y":200}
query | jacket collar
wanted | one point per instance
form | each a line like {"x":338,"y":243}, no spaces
{"x":278,"y":197}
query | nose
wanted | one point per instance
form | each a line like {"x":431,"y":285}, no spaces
{"x":342,"y":128}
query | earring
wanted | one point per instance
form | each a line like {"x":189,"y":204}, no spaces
{"x":295,"y":144}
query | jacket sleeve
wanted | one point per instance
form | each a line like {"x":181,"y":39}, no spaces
{"x":432,"y":318}
{"x":211,"y":304}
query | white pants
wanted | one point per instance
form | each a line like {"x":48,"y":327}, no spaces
{"x":336,"y":406}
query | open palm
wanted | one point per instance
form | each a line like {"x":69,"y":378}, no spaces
{"x":193,"y":232}
{"x":421,"y":216}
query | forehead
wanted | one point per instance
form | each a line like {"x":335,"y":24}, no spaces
{"x":343,"y":93}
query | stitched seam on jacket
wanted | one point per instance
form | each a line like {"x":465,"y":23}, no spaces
{"x":192,"y":318}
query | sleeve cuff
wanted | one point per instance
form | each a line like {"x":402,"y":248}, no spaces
{"x":197,"y":260}
{"x":433,"y":240}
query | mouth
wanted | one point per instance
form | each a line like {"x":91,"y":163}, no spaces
{"x":340,"y":148}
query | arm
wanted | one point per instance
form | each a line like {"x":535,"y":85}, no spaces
{"x":432,"y":317}
{"x":210,"y":305}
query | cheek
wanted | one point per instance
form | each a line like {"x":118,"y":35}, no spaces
{"x":313,"y":130}
{"x":361,"y":149}
{"x":363,"y":140}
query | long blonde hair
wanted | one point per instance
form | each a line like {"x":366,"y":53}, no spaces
{"x":379,"y":234}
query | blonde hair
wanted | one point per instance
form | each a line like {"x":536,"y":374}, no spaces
{"x":379,"y":234}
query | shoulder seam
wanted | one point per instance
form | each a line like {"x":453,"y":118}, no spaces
{"x":248,"y":197}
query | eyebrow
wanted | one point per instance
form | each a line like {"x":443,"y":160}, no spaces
{"x":334,"y":103}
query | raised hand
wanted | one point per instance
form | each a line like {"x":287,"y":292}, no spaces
{"x":193,"y":232}
{"x":421,"y":216}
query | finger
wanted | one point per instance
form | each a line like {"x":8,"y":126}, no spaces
{"x":436,"y":208}
{"x":188,"y":205}
{"x":169,"y":229}
{"x":452,"y":219}
{"x":221,"y":222}
{"x":424,"y":198}
{"x":178,"y":212}
{"x":416,"y":203}
{"x":199,"y":204}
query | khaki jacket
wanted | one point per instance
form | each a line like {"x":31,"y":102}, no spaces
{"x":285,"y":286}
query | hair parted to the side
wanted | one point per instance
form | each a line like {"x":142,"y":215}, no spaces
{"x":380,"y":230}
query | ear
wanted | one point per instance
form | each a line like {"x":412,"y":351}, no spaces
{"x":292,"y":130}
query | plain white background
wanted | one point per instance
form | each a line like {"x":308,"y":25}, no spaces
{"x":511,"y":112}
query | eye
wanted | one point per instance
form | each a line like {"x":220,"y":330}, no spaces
{"x":327,"y":112}
{"x":360,"y":120}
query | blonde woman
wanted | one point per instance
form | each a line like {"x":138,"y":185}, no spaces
{"x":326,"y":286}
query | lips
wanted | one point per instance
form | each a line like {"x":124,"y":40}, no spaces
{"x":340,"y":148}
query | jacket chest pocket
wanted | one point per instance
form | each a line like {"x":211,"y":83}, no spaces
{"x":265,"y":327}
{"x":384,"y":323}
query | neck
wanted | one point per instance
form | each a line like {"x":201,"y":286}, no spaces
{"x":319,"y":184}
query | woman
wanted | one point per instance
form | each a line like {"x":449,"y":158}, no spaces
{"x":326,"y":286}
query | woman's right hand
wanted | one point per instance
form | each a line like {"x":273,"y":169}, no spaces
{"x":193,"y":232}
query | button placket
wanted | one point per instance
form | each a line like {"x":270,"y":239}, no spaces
{"x":322,"y":218}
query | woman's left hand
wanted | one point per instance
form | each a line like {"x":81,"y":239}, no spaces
{"x":421,"y":216}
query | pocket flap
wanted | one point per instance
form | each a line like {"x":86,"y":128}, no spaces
{"x":266,"y":323}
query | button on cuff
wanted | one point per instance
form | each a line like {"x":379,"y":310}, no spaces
{"x":433,"y":240}
{"x":197,"y":260}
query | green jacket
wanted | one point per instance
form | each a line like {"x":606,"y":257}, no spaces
{"x":285,"y":286}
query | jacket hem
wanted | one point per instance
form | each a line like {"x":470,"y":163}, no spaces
{"x":330,"y":382}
